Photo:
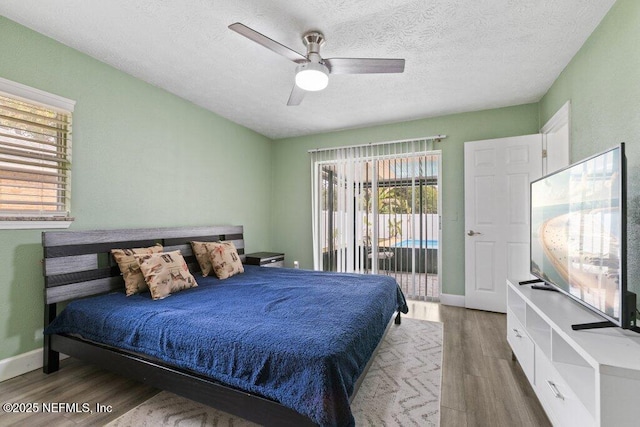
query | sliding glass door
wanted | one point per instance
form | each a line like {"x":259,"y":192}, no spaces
{"x":377,"y":211}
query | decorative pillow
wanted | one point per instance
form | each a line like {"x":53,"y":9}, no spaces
{"x":133,"y":278}
{"x":201,"y":251}
{"x":165,"y":273}
{"x":225,"y":259}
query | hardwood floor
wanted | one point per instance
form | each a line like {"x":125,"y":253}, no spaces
{"x":481,"y":385}
{"x":75,"y":382}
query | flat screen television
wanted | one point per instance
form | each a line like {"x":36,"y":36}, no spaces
{"x":578,"y":241}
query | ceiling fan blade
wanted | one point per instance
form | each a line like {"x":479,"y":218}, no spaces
{"x":296,"y":95}
{"x":268,"y":43}
{"x":364,"y":65}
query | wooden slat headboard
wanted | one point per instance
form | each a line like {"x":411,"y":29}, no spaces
{"x":79,"y":263}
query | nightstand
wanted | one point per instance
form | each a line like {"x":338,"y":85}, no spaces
{"x":265,"y":259}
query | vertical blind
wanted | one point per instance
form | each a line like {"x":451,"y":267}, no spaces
{"x":375,"y":209}
{"x":35,"y":159}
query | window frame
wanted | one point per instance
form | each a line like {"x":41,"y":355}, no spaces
{"x":31,"y":95}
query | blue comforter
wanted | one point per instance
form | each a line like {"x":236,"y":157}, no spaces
{"x":299,"y":337}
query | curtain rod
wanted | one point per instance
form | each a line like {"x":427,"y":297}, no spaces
{"x":371,"y":144}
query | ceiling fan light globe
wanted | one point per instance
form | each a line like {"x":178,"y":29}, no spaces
{"x":312,"y":76}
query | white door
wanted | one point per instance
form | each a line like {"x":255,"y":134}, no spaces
{"x":497,"y":174}
{"x":555,"y":140}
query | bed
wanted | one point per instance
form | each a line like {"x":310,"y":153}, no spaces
{"x":275,"y":346}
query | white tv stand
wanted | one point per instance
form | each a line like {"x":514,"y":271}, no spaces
{"x":582,"y":378}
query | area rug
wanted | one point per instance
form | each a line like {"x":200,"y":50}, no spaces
{"x":402,"y":388}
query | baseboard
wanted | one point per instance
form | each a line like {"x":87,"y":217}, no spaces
{"x":21,"y":364}
{"x":451,"y":299}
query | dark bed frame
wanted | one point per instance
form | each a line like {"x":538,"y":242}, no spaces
{"x":78,"y":264}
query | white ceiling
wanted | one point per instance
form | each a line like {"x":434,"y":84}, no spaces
{"x":461,"y":55}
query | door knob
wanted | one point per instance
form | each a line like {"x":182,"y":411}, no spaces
{"x":472,"y":233}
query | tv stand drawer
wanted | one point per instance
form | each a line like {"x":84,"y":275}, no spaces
{"x":562,"y":404}
{"x":521,"y":345}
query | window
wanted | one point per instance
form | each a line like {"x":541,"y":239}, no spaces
{"x":35,"y":158}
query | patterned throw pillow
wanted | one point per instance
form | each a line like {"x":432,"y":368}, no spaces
{"x":225,"y":259}
{"x":165,"y":273}
{"x":133,"y":278}
{"x":201,"y":251}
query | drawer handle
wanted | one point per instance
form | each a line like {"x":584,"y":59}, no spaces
{"x":554,"y":390}
{"x":517,"y":332}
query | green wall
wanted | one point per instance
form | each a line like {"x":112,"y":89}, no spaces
{"x":292,"y":178}
{"x":141,"y":158}
{"x":603,"y":83}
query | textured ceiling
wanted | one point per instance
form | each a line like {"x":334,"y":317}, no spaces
{"x":461,"y":55}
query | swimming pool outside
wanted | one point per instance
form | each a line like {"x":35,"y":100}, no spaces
{"x":417,"y":243}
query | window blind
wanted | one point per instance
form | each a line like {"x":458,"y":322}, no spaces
{"x":35,"y":159}
{"x":375,"y":209}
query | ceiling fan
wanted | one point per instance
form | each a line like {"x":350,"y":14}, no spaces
{"x":312,"y":72}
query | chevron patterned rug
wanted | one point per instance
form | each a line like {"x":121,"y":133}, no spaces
{"x":402,"y":388}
